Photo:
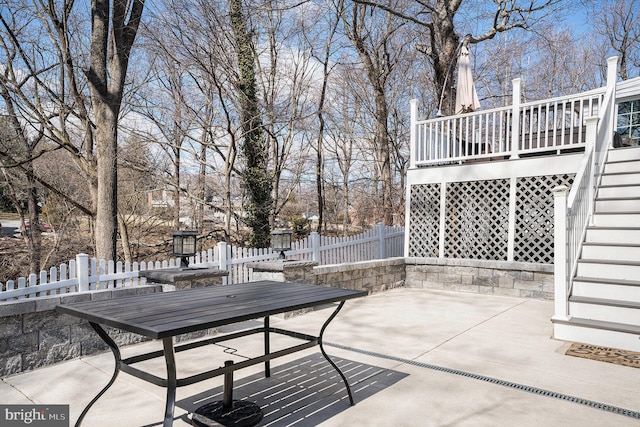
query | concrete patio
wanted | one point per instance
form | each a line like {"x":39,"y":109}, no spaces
{"x":414,"y":357}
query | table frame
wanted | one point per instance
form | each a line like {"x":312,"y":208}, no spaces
{"x":171,"y":382}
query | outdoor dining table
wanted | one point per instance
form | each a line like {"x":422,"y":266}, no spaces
{"x":164,"y":315}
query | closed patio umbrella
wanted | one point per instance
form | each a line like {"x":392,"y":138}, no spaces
{"x":466,"y":96}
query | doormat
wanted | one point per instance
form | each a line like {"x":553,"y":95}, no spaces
{"x":605,"y":354}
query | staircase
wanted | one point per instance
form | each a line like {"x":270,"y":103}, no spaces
{"x":604,"y":304}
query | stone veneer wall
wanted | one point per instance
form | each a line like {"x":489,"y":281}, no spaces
{"x":33,"y":334}
{"x":515,"y":279}
{"x":373,"y":276}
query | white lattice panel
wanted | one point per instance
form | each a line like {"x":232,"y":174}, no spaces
{"x":424,"y":220}
{"x":477,"y":220}
{"x":534,"y":217}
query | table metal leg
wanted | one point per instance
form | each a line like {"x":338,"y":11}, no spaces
{"x":326,"y":356}
{"x":172,"y":381}
{"x":267,"y":364}
{"x":116,"y":354}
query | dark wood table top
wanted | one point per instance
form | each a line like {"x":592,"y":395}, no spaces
{"x":167,"y":314}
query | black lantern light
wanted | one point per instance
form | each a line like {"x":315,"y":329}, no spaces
{"x":184,"y":246}
{"x":281,"y":241}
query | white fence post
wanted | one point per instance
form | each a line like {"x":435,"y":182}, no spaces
{"x":515,"y":119}
{"x":380,"y":233}
{"x":315,"y":246}
{"x":561,"y":280}
{"x":221,"y":248}
{"x":82,"y":264}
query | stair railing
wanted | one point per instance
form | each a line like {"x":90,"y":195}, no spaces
{"x":574,"y":212}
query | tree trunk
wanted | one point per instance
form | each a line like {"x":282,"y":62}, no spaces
{"x":320,"y":173}
{"x":113,"y":31}
{"x":257,"y":180}
{"x":106,"y":202}
{"x":384,"y":158}
{"x":124,"y":239}
{"x":176,"y":188}
{"x":34,"y":237}
{"x":201,"y":190}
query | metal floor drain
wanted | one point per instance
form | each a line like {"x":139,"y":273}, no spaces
{"x":522,"y":387}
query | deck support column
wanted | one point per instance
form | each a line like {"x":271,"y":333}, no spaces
{"x":560,"y":277}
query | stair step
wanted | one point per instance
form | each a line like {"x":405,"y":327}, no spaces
{"x":617,"y":204}
{"x":624,"y":312}
{"x":631,"y":165}
{"x":616,"y":219}
{"x":622,"y":154}
{"x":597,"y":332}
{"x":611,"y":251}
{"x":619,"y":191}
{"x":613,"y":235}
{"x":625,"y":290}
{"x":622,"y":178}
{"x":605,"y":297}
{"x":609,"y":269}
{"x":609,"y":303}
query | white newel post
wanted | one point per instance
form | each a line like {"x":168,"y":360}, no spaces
{"x":515,"y":118}
{"x":380,"y":233}
{"x":612,"y":80}
{"x":560,"y":278}
{"x":82,"y":265}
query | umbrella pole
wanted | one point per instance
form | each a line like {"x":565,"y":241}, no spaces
{"x":446,"y":77}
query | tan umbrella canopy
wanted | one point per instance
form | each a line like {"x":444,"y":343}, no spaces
{"x":466,"y":96}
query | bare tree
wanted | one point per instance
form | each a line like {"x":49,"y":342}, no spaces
{"x":442,"y":38}
{"x":73,"y":91}
{"x":372,"y":34}
{"x":16,"y":154}
{"x":321,"y":43}
{"x":164,"y":104}
{"x":284,"y":72}
{"x":114,"y":26}
{"x":618,"y":22}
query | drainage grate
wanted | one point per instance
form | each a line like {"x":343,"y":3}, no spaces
{"x":522,"y":387}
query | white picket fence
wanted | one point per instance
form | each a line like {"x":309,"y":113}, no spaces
{"x":87,"y":274}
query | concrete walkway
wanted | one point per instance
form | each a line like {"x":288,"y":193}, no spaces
{"x":413,"y":358}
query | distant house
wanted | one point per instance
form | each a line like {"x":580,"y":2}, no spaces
{"x":160,"y":198}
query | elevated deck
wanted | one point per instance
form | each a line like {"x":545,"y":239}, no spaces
{"x":539,"y":128}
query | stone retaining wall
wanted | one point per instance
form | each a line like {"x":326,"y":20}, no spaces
{"x":372,"y":276}
{"x":514,"y":279}
{"x":33,"y":334}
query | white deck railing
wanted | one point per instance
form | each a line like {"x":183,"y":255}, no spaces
{"x":549,"y":125}
{"x":87,"y":274}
